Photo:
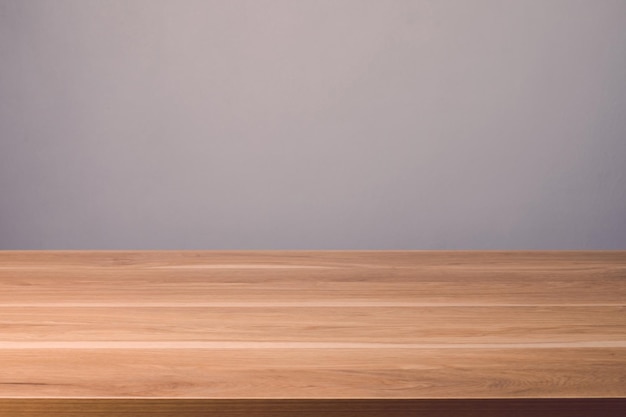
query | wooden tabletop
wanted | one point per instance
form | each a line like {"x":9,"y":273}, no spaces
{"x":333,"y":333}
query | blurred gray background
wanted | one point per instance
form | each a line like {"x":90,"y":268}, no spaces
{"x":312,"y":124}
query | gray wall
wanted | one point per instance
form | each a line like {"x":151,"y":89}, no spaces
{"x":312,"y":124}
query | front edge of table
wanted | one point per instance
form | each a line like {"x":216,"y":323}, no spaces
{"x":75,"y":407}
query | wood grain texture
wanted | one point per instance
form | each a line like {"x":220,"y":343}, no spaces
{"x":271,"y":332}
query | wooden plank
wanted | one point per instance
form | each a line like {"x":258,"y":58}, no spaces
{"x":312,"y":278}
{"x":353,"y":324}
{"x":333,"y":333}
{"x":516,"y":260}
{"x":324,"y":372}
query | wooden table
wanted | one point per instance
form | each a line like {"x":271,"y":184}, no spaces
{"x":318,"y":333}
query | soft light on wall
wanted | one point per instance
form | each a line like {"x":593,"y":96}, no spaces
{"x":334,"y":124}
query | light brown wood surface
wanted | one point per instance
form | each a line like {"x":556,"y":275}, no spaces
{"x":221,"y":328}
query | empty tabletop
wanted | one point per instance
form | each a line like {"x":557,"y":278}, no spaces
{"x":328,"y":333}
